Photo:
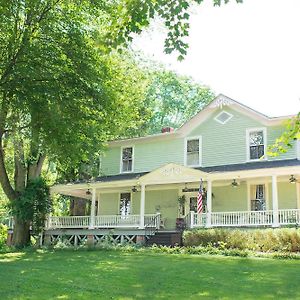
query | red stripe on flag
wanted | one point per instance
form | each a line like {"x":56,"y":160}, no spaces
{"x":200,"y":200}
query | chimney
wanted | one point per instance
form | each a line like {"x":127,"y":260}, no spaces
{"x":167,"y":129}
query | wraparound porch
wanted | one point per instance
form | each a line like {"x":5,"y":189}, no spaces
{"x":157,"y":193}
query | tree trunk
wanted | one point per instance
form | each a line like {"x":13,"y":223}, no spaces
{"x":21,"y":235}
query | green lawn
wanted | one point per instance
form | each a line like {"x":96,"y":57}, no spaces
{"x":117,"y":275}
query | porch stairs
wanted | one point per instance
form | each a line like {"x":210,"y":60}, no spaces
{"x":165,"y":238}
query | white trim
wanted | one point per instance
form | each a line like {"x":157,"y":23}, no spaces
{"x":98,"y":208}
{"x":190,"y":138}
{"x":298,"y":149}
{"x":248,"y":131}
{"x":275,"y":201}
{"x":298,"y":194}
{"x":248,"y":195}
{"x":121,"y":160}
{"x":222,"y":112}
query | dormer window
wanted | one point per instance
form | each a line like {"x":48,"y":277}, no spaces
{"x":192,"y":153}
{"x":126,"y":159}
{"x":256,"y":144}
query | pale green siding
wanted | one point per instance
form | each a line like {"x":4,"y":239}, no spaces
{"x":153,"y":155}
{"x":275,"y":132}
{"x":222,"y":144}
{"x":227,"y":198}
{"x":109,"y":204}
{"x":110,"y":161}
{"x":164,"y":201}
{"x":287,"y":195}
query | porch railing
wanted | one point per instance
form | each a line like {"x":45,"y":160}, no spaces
{"x":245,"y":218}
{"x":105,"y":221}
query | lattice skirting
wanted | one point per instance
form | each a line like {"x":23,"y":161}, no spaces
{"x":92,"y":240}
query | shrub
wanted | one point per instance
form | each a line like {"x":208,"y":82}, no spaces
{"x":3,"y":235}
{"x":263,"y":240}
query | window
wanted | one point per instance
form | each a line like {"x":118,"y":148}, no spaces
{"x":127,"y":160}
{"x":125,"y":204}
{"x":256,"y":144}
{"x":223,"y":117}
{"x":193,"y":152}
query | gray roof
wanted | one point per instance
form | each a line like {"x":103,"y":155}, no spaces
{"x":225,"y":168}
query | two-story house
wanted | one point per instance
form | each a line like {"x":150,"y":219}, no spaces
{"x":224,"y":145}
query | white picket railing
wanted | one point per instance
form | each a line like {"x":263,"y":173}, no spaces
{"x":245,"y":218}
{"x":289,"y":216}
{"x":68,"y":222}
{"x":105,"y":221}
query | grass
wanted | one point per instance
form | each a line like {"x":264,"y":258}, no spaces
{"x":119,"y":275}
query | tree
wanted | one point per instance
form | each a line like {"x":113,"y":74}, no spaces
{"x":286,"y":140}
{"x":172,"y":100}
{"x":61,"y":96}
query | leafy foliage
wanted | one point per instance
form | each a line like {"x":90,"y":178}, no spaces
{"x":133,"y":15}
{"x":286,"y":140}
{"x":33,"y":204}
{"x":172,"y":99}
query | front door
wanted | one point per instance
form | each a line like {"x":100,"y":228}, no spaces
{"x":125,"y":204}
{"x":258,"y":197}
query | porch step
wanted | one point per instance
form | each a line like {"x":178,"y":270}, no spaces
{"x":165,"y":238}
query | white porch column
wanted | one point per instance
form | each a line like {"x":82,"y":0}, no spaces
{"x":142,"y":207}
{"x":275,"y":201}
{"x":92,"y":219}
{"x":209,"y":203}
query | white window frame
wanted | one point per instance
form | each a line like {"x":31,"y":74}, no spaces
{"x":200,"y":150}
{"x":223,"y":111}
{"x":121,"y":159}
{"x":250,"y":130}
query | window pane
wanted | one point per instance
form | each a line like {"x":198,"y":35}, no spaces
{"x":192,"y":155}
{"x":127,"y":159}
{"x":256,"y":138}
{"x":125,"y":204}
{"x":127,"y":166}
{"x":193,"y":146}
{"x":192,"y":159}
{"x":256,"y":152}
{"x":127,"y":153}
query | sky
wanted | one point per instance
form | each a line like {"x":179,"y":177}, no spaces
{"x":249,"y":52}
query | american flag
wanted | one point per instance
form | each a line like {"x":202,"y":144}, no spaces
{"x":200,"y":199}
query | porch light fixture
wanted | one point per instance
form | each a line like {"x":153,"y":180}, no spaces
{"x":185,"y":190}
{"x":292,"y":179}
{"x":134,"y":189}
{"x":234,"y":183}
{"x":88,"y":192}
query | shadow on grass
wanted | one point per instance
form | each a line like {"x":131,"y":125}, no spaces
{"x":118,"y":275}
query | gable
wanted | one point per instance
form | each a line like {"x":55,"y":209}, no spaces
{"x":223,"y":103}
{"x":172,"y":173}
